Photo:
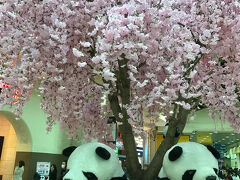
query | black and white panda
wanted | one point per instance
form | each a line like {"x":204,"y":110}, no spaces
{"x":190,"y":161}
{"x":93,"y":161}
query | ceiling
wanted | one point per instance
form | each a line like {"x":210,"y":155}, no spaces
{"x":229,"y":139}
{"x":205,"y":130}
{"x":202,"y":122}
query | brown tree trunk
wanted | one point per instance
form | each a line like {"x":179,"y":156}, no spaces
{"x":133,"y":167}
{"x":178,"y":119}
{"x":170,"y":140}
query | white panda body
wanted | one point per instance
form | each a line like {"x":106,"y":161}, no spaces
{"x":195,"y":162}
{"x":85,"y":164}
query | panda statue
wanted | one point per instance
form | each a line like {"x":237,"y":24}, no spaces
{"x":93,"y":161}
{"x":190,"y":161}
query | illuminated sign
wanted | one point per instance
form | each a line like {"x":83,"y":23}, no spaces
{"x":204,"y":138}
{"x":184,"y":138}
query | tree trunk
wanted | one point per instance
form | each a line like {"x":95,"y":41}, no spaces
{"x":178,"y":119}
{"x":133,"y":167}
{"x":170,"y":140}
{"x":128,"y":139}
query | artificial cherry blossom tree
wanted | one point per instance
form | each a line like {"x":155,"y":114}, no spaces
{"x":142,"y":55}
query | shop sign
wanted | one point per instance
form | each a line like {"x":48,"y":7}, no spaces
{"x":43,"y":169}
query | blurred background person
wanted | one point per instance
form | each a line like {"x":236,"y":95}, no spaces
{"x":53,"y":172}
{"x":36,"y":176}
{"x":19,"y":170}
{"x":63,"y":170}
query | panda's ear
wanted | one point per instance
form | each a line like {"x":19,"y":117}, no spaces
{"x":103,"y":153}
{"x":175,"y":153}
{"x":68,"y":151}
{"x":213,"y":151}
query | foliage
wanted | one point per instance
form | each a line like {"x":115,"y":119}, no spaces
{"x":174,"y":51}
{"x":149,"y":54}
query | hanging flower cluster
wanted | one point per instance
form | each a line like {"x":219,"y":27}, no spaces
{"x":177,"y":52}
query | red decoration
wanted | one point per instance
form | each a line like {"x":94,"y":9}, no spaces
{"x":15,"y":96}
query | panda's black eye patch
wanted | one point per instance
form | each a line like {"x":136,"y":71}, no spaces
{"x":103,"y":153}
{"x":90,"y":176}
{"x":215,"y":170}
{"x":175,"y":153}
{"x":188,"y":175}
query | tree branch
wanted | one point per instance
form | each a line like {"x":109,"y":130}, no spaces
{"x":123,"y":89}
{"x":168,"y":142}
{"x":197,"y":41}
{"x":197,"y":60}
{"x":124,"y":81}
{"x":141,"y":65}
{"x":90,"y":66}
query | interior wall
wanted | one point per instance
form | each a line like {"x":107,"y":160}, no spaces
{"x":32,"y":158}
{"x":7,"y":160}
{"x":34,"y":143}
{"x":24,"y":138}
{"x":31,"y":129}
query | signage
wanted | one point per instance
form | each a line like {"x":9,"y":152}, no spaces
{"x":43,"y":169}
{"x":140,"y":151}
{"x":160,"y":138}
{"x":204,"y":138}
{"x":221,"y":148}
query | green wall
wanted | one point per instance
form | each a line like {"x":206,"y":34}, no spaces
{"x":203,"y":123}
{"x":42,"y":141}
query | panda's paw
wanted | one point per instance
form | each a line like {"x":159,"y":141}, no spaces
{"x":165,"y":178}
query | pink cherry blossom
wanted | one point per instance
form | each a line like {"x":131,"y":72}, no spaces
{"x":73,"y":49}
